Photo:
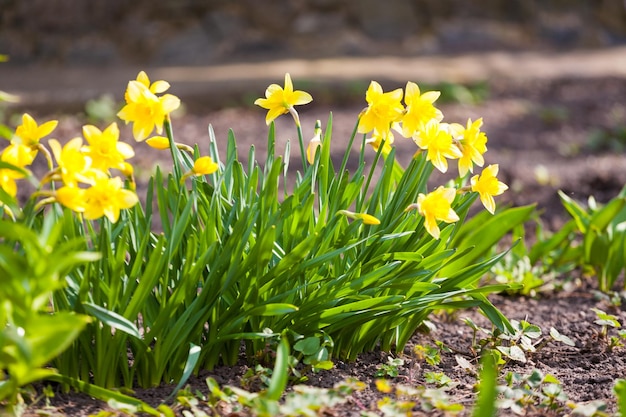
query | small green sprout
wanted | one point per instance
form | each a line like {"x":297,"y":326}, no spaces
{"x":438,"y":378}
{"x":606,"y":321}
{"x":533,"y":390}
{"x":430,"y":354}
{"x":391,"y":368}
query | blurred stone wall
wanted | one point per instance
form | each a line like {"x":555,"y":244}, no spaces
{"x":197,"y":32}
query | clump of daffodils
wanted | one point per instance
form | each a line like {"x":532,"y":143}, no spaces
{"x":91,"y":174}
{"x":417,"y":119}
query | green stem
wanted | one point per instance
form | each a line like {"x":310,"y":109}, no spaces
{"x":302,"y":149}
{"x":176,"y":157}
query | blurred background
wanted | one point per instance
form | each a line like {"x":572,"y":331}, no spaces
{"x":203,"y":32}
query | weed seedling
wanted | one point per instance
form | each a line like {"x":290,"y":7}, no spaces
{"x":607,"y":321}
{"x":514,"y":345}
{"x":390,"y":369}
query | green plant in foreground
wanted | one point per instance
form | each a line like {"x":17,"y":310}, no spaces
{"x":603,"y":232}
{"x":541,"y":266}
{"x":221,"y":254}
{"x":32,"y":266}
{"x":620,"y":391}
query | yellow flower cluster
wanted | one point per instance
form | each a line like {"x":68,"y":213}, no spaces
{"x":421,"y":121}
{"x":84,"y":164}
{"x":22,"y":151}
{"x":85,"y":171}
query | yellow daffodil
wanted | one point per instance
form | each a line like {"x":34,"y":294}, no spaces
{"x":473,"y":144}
{"x":29,"y":132}
{"x":366,"y":218}
{"x":7,"y":182}
{"x":315,"y":143}
{"x":419,"y":109}
{"x":383,"y":110}
{"x":201,"y":166}
{"x":71,"y":197}
{"x":487,"y":186}
{"x":279,"y":100}
{"x":104,"y":148}
{"x":73,"y":165}
{"x":204,"y":166}
{"x":127,"y":169}
{"x":377,"y":139}
{"x":18,"y":154}
{"x":436,"y":206}
{"x":107,"y":197}
{"x":436,"y":138}
{"x":157,"y":87}
{"x":159,"y":142}
{"x":145,"y":110}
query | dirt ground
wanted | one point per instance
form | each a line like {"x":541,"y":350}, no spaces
{"x":546,"y":135}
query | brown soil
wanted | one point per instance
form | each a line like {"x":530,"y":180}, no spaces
{"x":541,"y":133}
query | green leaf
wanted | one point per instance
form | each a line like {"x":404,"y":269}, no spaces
{"x":112,"y":319}
{"x":558,"y":337}
{"x":487,"y":389}
{"x":49,"y":335}
{"x":484,"y":237}
{"x":580,"y":216}
{"x":280,"y":374}
{"x":604,"y":216}
{"x":192,"y":361}
{"x":620,"y":391}
{"x":307,"y":346}
{"x":276,"y":309}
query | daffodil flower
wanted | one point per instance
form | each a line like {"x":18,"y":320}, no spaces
{"x":436,"y":206}
{"x":436,"y":138}
{"x":30,"y":133}
{"x":487,"y":186}
{"x":106,"y":197}
{"x":204,"y":166}
{"x":279,"y":100}
{"x":419,"y":109}
{"x":18,"y":154}
{"x":383,"y":110}
{"x":366,"y":218}
{"x":473,"y":144}
{"x":377,"y":139}
{"x":72,"y":197}
{"x":159,"y":142}
{"x":105,"y":149}
{"x":157,"y":87}
{"x":7,"y":182}
{"x":145,"y":110}
{"x":74,"y":166}
{"x":201,"y":166}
